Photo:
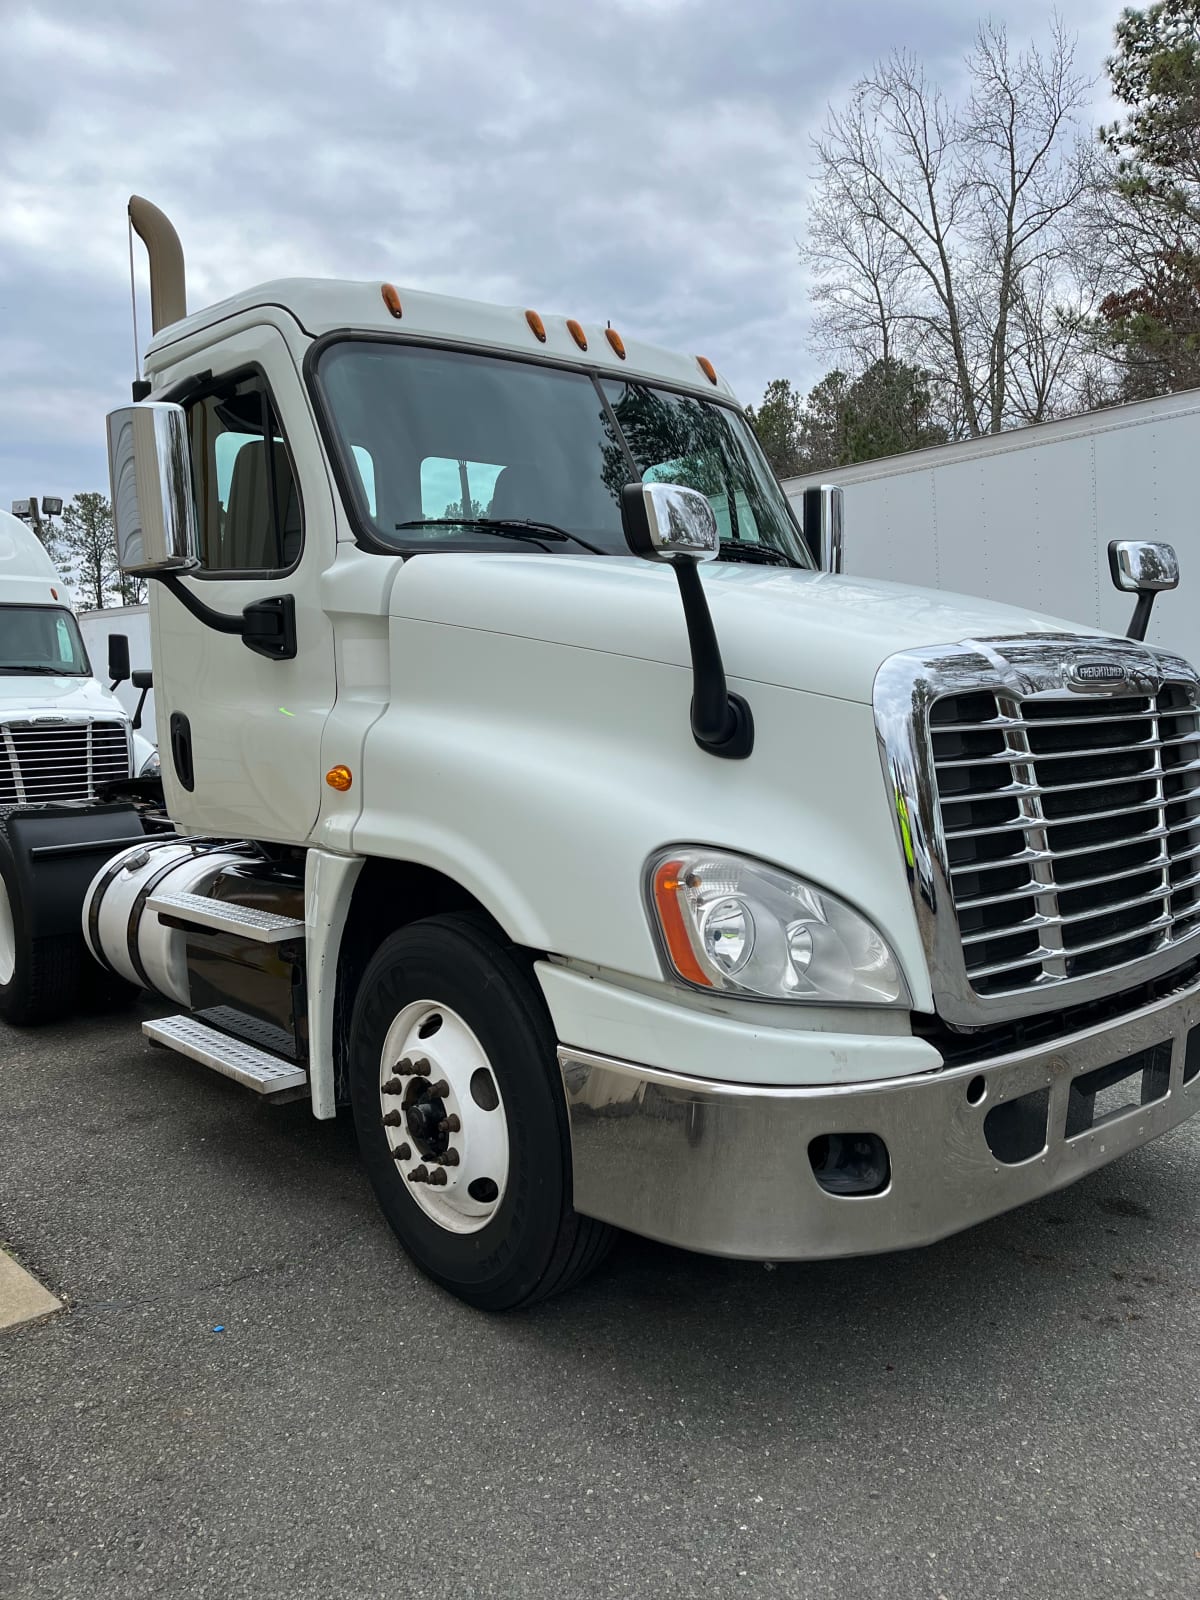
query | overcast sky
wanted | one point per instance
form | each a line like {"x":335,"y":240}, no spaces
{"x":639,"y":160}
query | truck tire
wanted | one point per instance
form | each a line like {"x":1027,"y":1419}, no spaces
{"x":461,"y":1120}
{"x":39,"y":978}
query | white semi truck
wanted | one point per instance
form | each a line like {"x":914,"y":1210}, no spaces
{"x":65,"y":745}
{"x":536,"y":796}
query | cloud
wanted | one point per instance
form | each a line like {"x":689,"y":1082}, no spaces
{"x":644,"y":162}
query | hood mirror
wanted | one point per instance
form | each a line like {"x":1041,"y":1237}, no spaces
{"x":664,"y":521}
{"x":1145,"y":569}
{"x":667,"y":522}
{"x":118,"y":658}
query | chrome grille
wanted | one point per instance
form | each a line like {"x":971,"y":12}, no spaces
{"x":1071,"y":829}
{"x":43,"y":763}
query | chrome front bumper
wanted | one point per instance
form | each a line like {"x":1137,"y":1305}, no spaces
{"x":724,"y":1167}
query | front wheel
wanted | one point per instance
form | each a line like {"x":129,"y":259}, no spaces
{"x":460,"y":1116}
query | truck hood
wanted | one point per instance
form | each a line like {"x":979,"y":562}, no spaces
{"x":38,"y":696}
{"x":801,"y":630}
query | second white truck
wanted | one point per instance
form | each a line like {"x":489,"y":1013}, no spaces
{"x":535,"y":796}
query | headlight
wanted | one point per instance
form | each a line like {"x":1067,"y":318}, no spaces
{"x":151,"y":767}
{"x":739,"y":926}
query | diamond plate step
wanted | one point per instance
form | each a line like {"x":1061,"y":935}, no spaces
{"x":264,"y":927}
{"x":257,"y":1069}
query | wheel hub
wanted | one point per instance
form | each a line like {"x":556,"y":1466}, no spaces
{"x":8,"y":938}
{"x":443,"y":1116}
{"x":425,"y":1118}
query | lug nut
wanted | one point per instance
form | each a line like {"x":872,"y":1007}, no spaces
{"x":393,"y":1119}
{"x":422,"y":1068}
{"x":450,"y":1158}
{"x":402,"y":1152}
{"x":394,"y":1086}
{"x":438,"y":1178}
{"x":440,"y":1089}
{"x":419,"y":1175}
{"x":449,"y":1124}
{"x":404,"y":1068}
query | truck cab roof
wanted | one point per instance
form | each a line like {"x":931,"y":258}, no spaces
{"x":327,"y":305}
{"x":27,"y":574}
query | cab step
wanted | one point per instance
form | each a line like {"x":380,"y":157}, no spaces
{"x":263,"y":927}
{"x":245,"y":1063}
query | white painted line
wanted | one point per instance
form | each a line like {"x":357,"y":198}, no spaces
{"x":22,"y":1298}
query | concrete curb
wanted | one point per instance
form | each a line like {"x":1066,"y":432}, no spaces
{"x":22,"y":1297}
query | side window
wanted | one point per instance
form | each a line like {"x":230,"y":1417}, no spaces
{"x":451,"y":488}
{"x":247,"y":501}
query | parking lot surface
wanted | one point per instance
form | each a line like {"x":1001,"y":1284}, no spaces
{"x":253,"y":1394}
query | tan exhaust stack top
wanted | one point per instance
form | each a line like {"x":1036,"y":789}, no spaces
{"x":168,"y":287}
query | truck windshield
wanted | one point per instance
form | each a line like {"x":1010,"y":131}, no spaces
{"x":41,"y":639}
{"x":438,"y":444}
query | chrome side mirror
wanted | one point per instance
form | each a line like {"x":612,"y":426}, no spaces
{"x":1145,"y":569}
{"x":150,"y":471}
{"x":664,"y":521}
{"x":824,"y":527}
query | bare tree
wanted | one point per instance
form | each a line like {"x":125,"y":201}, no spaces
{"x":939,"y":233}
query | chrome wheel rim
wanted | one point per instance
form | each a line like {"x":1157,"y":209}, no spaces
{"x":443,"y":1116}
{"x":8,"y":937}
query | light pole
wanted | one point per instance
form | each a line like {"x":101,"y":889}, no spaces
{"x":30,"y":511}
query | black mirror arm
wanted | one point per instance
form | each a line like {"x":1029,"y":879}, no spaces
{"x":722,"y":723}
{"x":221,"y":621}
{"x":268,"y":627}
{"x":1141,"y":615}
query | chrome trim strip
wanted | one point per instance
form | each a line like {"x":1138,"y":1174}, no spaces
{"x":723,"y":1167}
{"x":1016,"y":670}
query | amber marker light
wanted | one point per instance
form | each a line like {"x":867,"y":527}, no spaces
{"x":670,"y":917}
{"x":537,"y":326}
{"x":615,"y":339}
{"x":391,"y":299}
{"x":339,"y":778}
{"x":575,"y":329}
{"x":707,"y":368}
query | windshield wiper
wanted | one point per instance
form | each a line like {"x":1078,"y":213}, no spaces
{"x":30,"y":669}
{"x":736,"y":550}
{"x":506,"y":528}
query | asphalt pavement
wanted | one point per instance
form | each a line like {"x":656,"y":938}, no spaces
{"x":252,"y":1393}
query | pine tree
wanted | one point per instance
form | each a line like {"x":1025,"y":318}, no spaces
{"x":87,"y":549}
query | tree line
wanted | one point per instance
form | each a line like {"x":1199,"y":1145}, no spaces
{"x":987,"y":262}
{"x":83,"y":547}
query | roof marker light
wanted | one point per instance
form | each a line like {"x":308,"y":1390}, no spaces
{"x":575,"y":329}
{"x":615,"y":339}
{"x":537,"y":325}
{"x":707,"y":368}
{"x":391,"y":299}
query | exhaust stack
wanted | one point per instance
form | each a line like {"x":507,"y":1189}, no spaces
{"x":168,"y":286}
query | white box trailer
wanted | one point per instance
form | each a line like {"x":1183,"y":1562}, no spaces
{"x":1026,"y":517}
{"x":97,"y":628}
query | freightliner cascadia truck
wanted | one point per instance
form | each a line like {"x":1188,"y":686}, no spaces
{"x":531,"y":789}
